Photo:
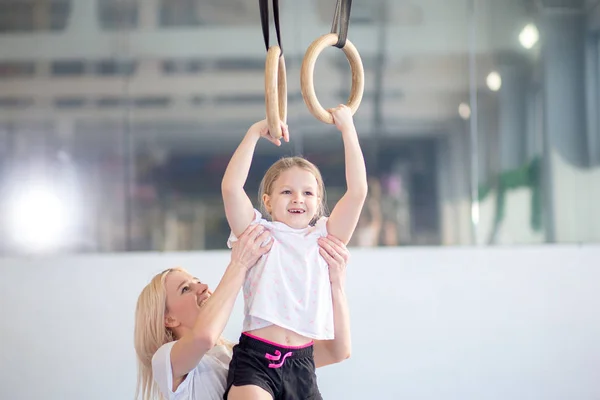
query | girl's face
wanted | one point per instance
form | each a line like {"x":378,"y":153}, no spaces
{"x":294,"y":199}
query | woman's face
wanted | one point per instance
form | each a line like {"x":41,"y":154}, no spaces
{"x":185,"y":296}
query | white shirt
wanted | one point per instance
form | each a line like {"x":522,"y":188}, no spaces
{"x":290,"y":286}
{"x":205,"y":382}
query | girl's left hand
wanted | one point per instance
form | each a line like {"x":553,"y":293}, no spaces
{"x":342,"y":116}
{"x":336,"y":255}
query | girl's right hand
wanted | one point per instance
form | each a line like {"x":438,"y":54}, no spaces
{"x":261,"y":128}
{"x":255,"y":242}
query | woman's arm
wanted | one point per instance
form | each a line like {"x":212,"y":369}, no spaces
{"x":346,"y":212}
{"x":213,"y":316}
{"x":328,"y":352}
{"x":238,"y":207}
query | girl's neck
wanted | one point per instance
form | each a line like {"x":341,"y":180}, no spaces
{"x":291,"y":227}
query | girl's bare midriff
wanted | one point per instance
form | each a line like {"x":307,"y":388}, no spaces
{"x":282,"y":336}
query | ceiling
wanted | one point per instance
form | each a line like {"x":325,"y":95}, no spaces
{"x":186,"y":69}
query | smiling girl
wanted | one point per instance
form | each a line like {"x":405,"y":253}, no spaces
{"x":287,"y":295}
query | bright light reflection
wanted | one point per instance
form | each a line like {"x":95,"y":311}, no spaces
{"x":38,"y":216}
{"x":529,"y":36}
{"x":494,"y":81}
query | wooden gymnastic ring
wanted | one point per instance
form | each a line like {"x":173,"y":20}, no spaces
{"x":275,"y":91}
{"x":306,"y":76}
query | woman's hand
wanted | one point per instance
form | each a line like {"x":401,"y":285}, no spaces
{"x":255,"y":242}
{"x":336,"y":255}
{"x":327,"y":352}
{"x":261,"y":128}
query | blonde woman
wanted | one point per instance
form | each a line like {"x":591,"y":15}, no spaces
{"x":179,"y":322}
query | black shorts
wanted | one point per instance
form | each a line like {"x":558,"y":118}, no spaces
{"x":288,"y":373}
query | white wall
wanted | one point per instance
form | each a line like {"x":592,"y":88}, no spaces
{"x":517,"y":323}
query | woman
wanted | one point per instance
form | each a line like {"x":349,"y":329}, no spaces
{"x":179,"y":321}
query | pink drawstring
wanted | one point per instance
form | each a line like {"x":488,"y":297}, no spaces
{"x":277,"y":357}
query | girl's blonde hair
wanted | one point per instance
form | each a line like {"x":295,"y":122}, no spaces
{"x":150,"y":332}
{"x":282,"y":165}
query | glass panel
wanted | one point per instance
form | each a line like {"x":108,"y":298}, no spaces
{"x":478,"y":122}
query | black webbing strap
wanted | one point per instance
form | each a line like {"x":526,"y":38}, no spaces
{"x":341,"y":19}
{"x":264,"y":21}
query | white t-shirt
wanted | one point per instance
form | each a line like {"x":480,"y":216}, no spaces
{"x":205,"y":382}
{"x":290,"y":286}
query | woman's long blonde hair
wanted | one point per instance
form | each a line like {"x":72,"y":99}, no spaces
{"x":150,"y":333}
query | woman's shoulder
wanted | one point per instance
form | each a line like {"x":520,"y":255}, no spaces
{"x":210,"y":373}
{"x":162,"y":357}
{"x":163,"y":352}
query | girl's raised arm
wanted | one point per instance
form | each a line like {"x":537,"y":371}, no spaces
{"x":238,"y":207}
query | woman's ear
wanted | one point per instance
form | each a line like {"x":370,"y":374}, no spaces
{"x":171,"y":322}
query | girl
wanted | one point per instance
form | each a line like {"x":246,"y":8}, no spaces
{"x":288,"y":299}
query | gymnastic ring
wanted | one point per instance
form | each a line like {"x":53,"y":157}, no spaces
{"x":275,"y":91}
{"x":307,"y":83}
